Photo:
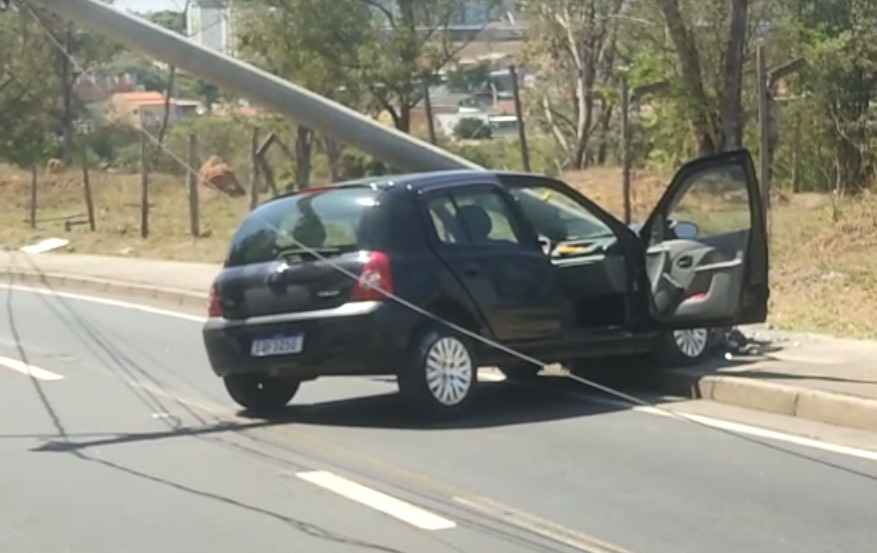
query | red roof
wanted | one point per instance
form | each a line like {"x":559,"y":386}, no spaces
{"x":145,"y":98}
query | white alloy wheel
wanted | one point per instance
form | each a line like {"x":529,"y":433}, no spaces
{"x":691,"y":342}
{"x":450,"y":371}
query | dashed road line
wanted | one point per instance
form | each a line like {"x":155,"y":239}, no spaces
{"x":378,"y":501}
{"x":29,"y":370}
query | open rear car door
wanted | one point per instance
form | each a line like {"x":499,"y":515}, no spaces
{"x":707,"y":248}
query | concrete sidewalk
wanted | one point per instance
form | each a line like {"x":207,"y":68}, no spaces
{"x":175,"y":281}
{"x":809,"y":376}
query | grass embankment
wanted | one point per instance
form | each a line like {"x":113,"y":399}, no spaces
{"x":823,"y":268}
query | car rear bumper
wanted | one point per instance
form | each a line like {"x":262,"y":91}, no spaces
{"x":357,"y":338}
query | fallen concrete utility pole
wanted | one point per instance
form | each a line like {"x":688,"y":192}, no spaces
{"x":301,"y":105}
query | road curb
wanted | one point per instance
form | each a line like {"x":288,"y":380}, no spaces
{"x":115,"y":287}
{"x":844,"y":410}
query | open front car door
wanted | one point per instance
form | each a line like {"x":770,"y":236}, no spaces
{"x":707,"y":248}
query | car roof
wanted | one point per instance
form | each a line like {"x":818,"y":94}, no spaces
{"x":417,"y":182}
{"x":429,"y":180}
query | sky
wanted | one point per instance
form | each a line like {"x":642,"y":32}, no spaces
{"x":150,"y":5}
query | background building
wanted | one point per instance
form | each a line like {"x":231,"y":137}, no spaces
{"x":210,"y":23}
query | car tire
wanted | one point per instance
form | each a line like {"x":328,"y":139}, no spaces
{"x":441,"y":375}
{"x":260,"y":394}
{"x":520,"y":370}
{"x":686,"y":346}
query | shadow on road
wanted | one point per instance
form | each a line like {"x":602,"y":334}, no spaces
{"x":510,"y":403}
{"x":497,"y":404}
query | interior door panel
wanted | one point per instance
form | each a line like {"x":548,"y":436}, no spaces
{"x":597,"y":285}
{"x":699,"y":278}
{"x":716,"y":273}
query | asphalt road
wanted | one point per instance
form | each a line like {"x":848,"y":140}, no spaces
{"x":125,"y":441}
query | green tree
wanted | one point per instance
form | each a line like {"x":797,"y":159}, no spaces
{"x":43,"y":59}
{"x":169,"y":19}
{"x":407,"y":45}
{"x":314,"y":47}
{"x":840,"y":42}
{"x":469,"y":78}
{"x":574,"y":46}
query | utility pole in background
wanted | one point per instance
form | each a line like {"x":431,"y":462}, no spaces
{"x":519,"y":113}
{"x":67,"y":81}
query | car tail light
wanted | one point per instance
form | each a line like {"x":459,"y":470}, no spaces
{"x":375,"y":281}
{"x":214,"y":307}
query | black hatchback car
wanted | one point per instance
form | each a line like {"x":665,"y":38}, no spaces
{"x":362,"y":278}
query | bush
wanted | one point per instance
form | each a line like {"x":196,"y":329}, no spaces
{"x":505,"y":154}
{"x":472,"y":128}
{"x":106,"y":142}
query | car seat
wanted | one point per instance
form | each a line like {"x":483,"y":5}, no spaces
{"x":476,"y":223}
{"x":309,"y":232}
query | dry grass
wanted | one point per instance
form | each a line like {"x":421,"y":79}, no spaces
{"x":117,"y":209}
{"x":824,"y":278}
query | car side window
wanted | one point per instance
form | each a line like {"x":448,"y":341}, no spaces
{"x":712,"y":202}
{"x":441,"y":212}
{"x":496,"y":227}
{"x":557,"y":216}
{"x":473,"y":217}
{"x":717,"y":201}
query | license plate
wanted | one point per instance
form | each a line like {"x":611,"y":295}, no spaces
{"x":277,"y":345}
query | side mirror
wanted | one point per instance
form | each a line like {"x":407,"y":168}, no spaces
{"x":685,"y":230}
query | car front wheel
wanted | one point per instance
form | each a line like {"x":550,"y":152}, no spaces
{"x":686,"y":346}
{"x":440,"y":378}
{"x":260,"y":394}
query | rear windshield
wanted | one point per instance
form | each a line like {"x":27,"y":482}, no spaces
{"x":326,"y":220}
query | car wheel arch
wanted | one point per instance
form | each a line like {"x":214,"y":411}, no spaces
{"x":454,"y":312}
{"x":451,"y":311}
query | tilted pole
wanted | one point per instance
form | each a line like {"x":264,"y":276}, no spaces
{"x":303,"y":106}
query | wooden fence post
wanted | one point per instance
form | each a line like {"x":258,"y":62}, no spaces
{"x":764,"y":128}
{"x":254,"y":173}
{"x":144,"y":188}
{"x":626,"y":160}
{"x":86,"y":186}
{"x":192,"y":181}
{"x":430,"y":116}
{"x":34,"y":180}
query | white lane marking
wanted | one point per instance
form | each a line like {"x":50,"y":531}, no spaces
{"x":745,"y":429}
{"x":706,"y":421}
{"x":378,"y":501}
{"x":28,"y":369}
{"x":537,"y":525}
{"x":730,"y":426}
{"x":105,"y":301}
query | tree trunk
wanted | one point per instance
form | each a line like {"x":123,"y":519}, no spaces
{"x":303,"y":150}
{"x":731,"y":108}
{"x":605,"y":129}
{"x":700,"y":113}
{"x":333,"y":158}
{"x":168,"y":94}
